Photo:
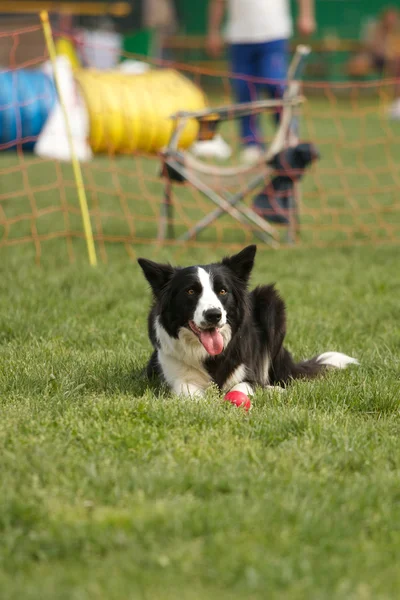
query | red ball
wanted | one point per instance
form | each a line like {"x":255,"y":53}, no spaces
{"x":239,"y":399}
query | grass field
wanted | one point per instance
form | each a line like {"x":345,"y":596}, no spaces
{"x":111,"y":490}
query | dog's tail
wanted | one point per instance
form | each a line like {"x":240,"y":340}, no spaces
{"x":312,"y":367}
{"x":284,"y":368}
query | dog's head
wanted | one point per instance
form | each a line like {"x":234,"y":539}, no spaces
{"x":204,"y":300}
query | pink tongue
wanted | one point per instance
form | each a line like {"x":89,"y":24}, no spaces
{"x":212,"y":341}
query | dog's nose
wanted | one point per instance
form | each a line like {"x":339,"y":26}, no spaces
{"x":212,"y":315}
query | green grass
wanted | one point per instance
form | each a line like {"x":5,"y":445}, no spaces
{"x":111,"y":490}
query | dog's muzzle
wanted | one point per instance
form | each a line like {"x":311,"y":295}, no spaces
{"x":212,"y":317}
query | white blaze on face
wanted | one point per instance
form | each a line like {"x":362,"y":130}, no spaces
{"x":208,"y":299}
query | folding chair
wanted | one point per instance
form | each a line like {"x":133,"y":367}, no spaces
{"x":181,"y":166}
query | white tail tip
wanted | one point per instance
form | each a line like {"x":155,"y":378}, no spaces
{"x":336,"y":359}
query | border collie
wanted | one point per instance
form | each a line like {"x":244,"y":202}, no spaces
{"x":207,"y":328}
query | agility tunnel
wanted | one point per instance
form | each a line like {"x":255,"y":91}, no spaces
{"x":130,"y":113}
{"x":127,"y":113}
{"x":26,"y":100}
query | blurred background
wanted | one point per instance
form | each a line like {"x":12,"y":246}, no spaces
{"x":176,"y":29}
{"x":351,"y":114}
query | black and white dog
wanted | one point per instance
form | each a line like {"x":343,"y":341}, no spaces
{"x":207,"y":328}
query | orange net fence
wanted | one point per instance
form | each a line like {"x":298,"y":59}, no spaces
{"x":350,"y":196}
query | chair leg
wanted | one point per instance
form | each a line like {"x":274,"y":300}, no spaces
{"x":232,"y":206}
{"x":294,"y":221}
{"x":166,"y":226}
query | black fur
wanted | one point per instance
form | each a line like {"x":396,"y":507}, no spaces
{"x":257,"y":320}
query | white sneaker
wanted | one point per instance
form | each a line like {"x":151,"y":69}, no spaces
{"x":251,"y":154}
{"x":394,"y":111}
{"x":217,"y":147}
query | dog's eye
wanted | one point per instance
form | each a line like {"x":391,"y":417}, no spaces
{"x":222,"y":292}
{"x":190,"y":292}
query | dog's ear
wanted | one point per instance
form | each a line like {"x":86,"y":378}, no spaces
{"x":156,"y":274}
{"x":242,"y":263}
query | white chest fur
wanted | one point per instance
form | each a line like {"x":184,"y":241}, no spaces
{"x":182,"y":360}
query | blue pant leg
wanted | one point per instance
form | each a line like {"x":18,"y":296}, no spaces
{"x":272,"y":59}
{"x":244,"y":62}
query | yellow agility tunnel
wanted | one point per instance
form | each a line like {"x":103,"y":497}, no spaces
{"x":130,"y":113}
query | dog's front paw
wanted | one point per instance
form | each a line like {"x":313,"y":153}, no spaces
{"x":189,"y":390}
{"x":275,"y":388}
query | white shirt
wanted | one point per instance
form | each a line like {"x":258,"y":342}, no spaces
{"x":258,"y":21}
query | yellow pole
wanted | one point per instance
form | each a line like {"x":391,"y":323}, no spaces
{"x":44,"y":16}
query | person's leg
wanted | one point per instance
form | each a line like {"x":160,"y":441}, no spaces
{"x":272,"y":65}
{"x":242,"y":63}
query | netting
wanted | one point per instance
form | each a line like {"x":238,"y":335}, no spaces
{"x":351,"y":196}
